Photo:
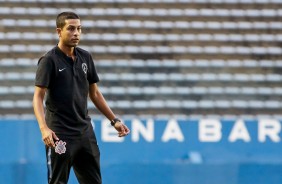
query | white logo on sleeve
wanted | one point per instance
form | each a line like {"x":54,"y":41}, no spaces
{"x":60,"y":147}
{"x":61,"y":69}
{"x":84,"y":67}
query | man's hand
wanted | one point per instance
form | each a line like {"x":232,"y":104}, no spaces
{"x":48,"y":137}
{"x":122,"y":129}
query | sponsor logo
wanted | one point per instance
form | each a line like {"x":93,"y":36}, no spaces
{"x":62,"y":69}
{"x":84,"y":67}
{"x":60,"y":147}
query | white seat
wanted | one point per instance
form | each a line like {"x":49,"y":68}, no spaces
{"x":29,"y":35}
{"x":166,"y":90}
{"x":160,"y":77}
{"x":273,"y":77}
{"x":116,"y":90}
{"x":224,"y":77}
{"x":195,"y":49}
{"x":215,"y":90}
{"x":241,"y":77}
{"x":13,"y":35}
{"x":176,"y":77}
{"x":143,"y":77}
{"x":207,"y":104}
{"x":4,"y":90}
{"x":189,"y":104}
{"x":197,"y":25}
{"x":128,"y":11}
{"x":18,"y":48}
{"x":137,"y":63}
{"x":7,"y":104}
{"x":125,"y":36}
{"x":128,"y":76}
{"x":114,"y":49}
{"x":134,"y":24}
{"x":34,"y":11}
{"x":175,"y":12}
{"x":121,"y":63}
{"x":257,"y":77}
{"x":99,"y":49}
{"x":266,"y":63}
{"x":192,"y":77}
{"x":182,"y":90}
{"x":140,"y":104}
{"x":150,"y":90}
{"x":147,"y":49}
{"x":153,"y":63}
{"x":123,"y":104}
{"x":239,"y":104}
{"x":248,"y":91}
{"x":103,"y":23}
{"x":18,"y":10}
{"x":169,"y":63}
{"x":134,"y":90}
{"x":146,"y":12}
{"x":222,"y":104}
{"x":273,"y":104}
{"x":131,"y":49}
{"x":217,"y":63}
{"x":178,"y":49}
{"x":156,"y":104}
{"x":156,"y":37}
{"x":112,"y":11}
{"x":5,"y":10}
{"x":109,"y":76}
{"x":175,"y":104}
{"x":199,"y":90}
{"x":17,"y":90}
{"x":264,"y":91}
{"x":8,"y":22}
{"x":209,"y":77}
{"x":233,"y":63}
{"x":232,"y":90}
{"x":4,"y":48}
{"x":255,"y":104}
{"x":166,"y":24}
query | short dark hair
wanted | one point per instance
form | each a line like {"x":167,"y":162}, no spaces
{"x":62,"y":17}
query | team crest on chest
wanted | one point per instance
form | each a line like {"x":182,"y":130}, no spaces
{"x":60,"y":147}
{"x":84,"y":67}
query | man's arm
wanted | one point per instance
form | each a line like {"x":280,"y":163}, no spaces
{"x":48,"y":135}
{"x":99,"y":101}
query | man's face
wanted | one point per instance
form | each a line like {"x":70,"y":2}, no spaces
{"x":70,"y":33}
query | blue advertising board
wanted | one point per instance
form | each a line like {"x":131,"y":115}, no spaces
{"x":191,"y":151}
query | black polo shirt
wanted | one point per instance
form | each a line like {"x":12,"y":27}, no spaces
{"x":68,"y":83}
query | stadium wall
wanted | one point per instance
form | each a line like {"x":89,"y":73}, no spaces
{"x":163,"y":151}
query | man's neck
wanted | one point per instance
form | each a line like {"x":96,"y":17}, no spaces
{"x":69,"y":51}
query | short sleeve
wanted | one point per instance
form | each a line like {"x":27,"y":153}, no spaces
{"x":92,"y":73}
{"x":44,"y":72}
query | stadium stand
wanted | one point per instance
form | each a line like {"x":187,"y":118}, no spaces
{"x":198,"y":57}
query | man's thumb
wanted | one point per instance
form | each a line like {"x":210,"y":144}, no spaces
{"x":55,"y":136}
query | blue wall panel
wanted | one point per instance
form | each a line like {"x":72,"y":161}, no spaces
{"x":22,"y":157}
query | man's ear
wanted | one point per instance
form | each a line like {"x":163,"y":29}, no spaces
{"x":59,"y":30}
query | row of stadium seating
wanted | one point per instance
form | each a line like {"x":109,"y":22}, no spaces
{"x":152,"y":49}
{"x":164,"y":90}
{"x":219,"y":57}
{"x":145,"y":12}
{"x":139,"y":77}
{"x":154,"y":63}
{"x":160,"y":104}
{"x":153,"y":1}
{"x":149,"y":37}
{"x":214,"y":25}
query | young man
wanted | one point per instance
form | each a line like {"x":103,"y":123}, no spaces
{"x":68,"y":75}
